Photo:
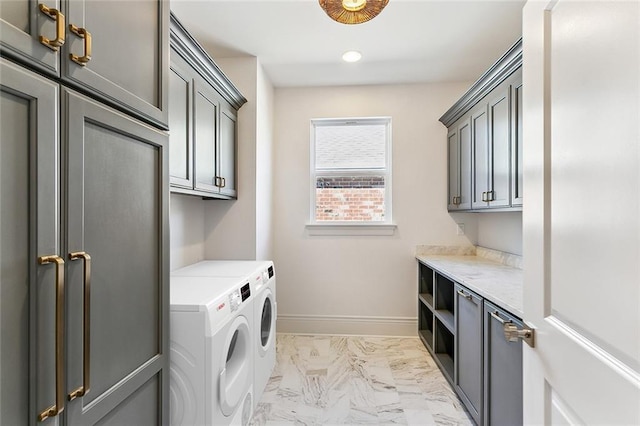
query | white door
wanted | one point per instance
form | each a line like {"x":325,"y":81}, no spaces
{"x":582,"y":216}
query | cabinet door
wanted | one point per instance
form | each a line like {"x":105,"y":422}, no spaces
{"x":480,"y":141}
{"x":227,"y":150}
{"x":21,"y":25}
{"x":468,"y":377}
{"x":29,"y":227}
{"x":180,"y":118}
{"x":117,"y":204}
{"x":502,"y":370}
{"x":499,"y":149}
{"x":129,"y":62}
{"x":207,"y":106}
{"x":454,"y":168}
{"x":516,"y":145}
{"x":464,"y":149}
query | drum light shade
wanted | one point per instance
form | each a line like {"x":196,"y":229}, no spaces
{"x":352,"y":11}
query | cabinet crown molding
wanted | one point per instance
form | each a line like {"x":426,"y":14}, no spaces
{"x":497,"y":73}
{"x":189,"y":48}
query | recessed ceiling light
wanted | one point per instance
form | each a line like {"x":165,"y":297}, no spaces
{"x":351,"y":56}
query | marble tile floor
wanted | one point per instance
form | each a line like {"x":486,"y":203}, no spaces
{"x":331,"y":380}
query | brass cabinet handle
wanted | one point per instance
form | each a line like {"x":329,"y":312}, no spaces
{"x":218,"y":181}
{"x":57,"y":16}
{"x":491,"y":196}
{"x":86,"y":326}
{"x":485,"y":196}
{"x":466,"y":296}
{"x":86,"y":35}
{"x":57,"y":408}
{"x":224,"y":182}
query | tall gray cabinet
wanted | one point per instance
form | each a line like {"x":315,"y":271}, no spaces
{"x":83,"y":224}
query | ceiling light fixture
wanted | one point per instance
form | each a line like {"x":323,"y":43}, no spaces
{"x":351,"y":56}
{"x":352,"y":11}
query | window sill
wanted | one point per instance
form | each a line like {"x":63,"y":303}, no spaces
{"x":347,"y":229}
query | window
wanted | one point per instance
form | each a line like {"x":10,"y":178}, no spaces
{"x":351,"y":171}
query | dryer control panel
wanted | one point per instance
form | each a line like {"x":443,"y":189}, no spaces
{"x":238,"y":296}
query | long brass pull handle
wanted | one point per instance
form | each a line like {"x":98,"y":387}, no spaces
{"x":56,"y":409}
{"x":86,"y":326}
{"x":57,"y":16}
{"x":86,"y":35}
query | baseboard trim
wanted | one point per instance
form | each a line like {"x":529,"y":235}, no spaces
{"x":347,"y":325}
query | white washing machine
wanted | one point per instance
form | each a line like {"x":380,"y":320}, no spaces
{"x":261,"y":276}
{"x":212,"y":351}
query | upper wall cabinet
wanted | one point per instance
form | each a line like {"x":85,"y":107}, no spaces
{"x":485,"y":140}
{"x":115,"y":52}
{"x":203,"y":121}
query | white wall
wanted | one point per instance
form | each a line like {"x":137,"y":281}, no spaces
{"x":361,"y":284}
{"x":241,"y":229}
{"x":186,"y":219}
{"x":264,"y":166}
{"x":501,"y":231}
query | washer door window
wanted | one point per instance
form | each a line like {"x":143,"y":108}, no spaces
{"x":234,"y":378}
{"x":267,"y":320}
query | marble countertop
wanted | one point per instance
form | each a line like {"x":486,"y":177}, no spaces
{"x":496,"y":282}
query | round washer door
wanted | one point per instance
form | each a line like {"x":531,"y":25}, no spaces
{"x":267,"y":322}
{"x":236,"y":363}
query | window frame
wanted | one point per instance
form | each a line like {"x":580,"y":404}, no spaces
{"x":348,"y":227}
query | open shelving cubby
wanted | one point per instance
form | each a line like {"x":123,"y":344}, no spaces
{"x":444,"y":348}
{"x":425,"y":305}
{"x":444,"y":301}
{"x":436,"y":313}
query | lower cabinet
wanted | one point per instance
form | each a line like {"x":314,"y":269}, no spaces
{"x":464,"y":333}
{"x":502,"y":370}
{"x":468,"y":378}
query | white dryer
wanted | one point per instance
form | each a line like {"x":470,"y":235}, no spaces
{"x":261,"y":276}
{"x":212,"y":353}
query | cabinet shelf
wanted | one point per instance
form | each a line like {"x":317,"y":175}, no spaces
{"x":446,"y":361}
{"x":427,"y":299}
{"x":446,"y":318}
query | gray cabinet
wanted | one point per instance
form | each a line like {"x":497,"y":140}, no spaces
{"x":469,"y":351}
{"x":491,"y":148}
{"x":464,"y":333}
{"x":203,"y":117}
{"x":84,"y":260}
{"x":459,"y":152}
{"x":502,"y":370}
{"x":30,"y":227}
{"x":493,"y":145}
{"x":115,"y":52}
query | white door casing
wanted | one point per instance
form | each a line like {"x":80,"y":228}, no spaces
{"x":581,"y":221}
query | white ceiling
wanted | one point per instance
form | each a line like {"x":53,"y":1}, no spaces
{"x":411,"y":41}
